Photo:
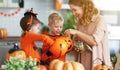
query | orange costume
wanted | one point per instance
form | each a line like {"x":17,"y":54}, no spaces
{"x":27,"y":43}
{"x":47,"y":48}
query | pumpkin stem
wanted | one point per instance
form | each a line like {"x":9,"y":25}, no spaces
{"x":103,"y":63}
{"x":16,"y":47}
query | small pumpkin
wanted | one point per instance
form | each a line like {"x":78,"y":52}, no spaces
{"x":16,"y":52}
{"x":42,"y":67}
{"x":3,"y":33}
{"x":61,"y":46}
{"x":68,"y":65}
{"x":102,"y":66}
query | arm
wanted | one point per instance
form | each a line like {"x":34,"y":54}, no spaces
{"x":82,"y":36}
{"x":89,"y":39}
{"x":92,"y":39}
{"x":40,"y":37}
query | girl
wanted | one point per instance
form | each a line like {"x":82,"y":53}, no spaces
{"x":30,"y":25}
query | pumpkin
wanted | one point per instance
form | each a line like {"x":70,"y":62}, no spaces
{"x":3,"y":33}
{"x":69,"y":41}
{"x":42,"y":67}
{"x":16,"y":52}
{"x":20,"y":54}
{"x":68,"y":65}
{"x":102,"y":66}
{"x":61,"y":46}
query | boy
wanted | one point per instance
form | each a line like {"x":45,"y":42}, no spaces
{"x":55,"y":23}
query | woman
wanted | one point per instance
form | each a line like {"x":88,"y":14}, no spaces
{"x":92,"y":30}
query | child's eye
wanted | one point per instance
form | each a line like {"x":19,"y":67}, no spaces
{"x":38,"y":27}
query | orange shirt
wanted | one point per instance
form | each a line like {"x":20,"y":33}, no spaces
{"x":45,"y":46}
{"x":27,"y":43}
{"x":45,"y":49}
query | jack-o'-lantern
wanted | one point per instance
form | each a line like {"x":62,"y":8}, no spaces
{"x":69,"y":41}
{"x":102,"y":66}
{"x":61,"y":46}
{"x":16,"y":52}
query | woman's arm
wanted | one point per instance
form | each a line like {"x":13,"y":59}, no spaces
{"x":86,"y":38}
{"x":81,"y":36}
{"x":93,"y":39}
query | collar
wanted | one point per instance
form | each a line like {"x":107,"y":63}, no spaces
{"x":50,"y":34}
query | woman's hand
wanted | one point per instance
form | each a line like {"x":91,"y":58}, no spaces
{"x":69,"y":32}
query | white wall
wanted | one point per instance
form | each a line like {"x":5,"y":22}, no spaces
{"x":42,"y":7}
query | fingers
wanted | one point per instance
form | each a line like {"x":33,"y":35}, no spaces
{"x":67,"y":32}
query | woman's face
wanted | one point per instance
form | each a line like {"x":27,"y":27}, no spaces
{"x":77,"y":10}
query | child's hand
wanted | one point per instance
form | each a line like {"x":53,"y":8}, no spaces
{"x":69,"y":32}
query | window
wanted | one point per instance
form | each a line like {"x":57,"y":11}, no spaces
{"x":9,"y":3}
{"x":62,"y":4}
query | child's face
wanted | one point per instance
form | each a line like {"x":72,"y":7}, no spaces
{"x":56,"y":28}
{"x":35,"y":28}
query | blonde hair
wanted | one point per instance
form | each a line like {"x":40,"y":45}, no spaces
{"x":88,"y":8}
{"x":55,"y":17}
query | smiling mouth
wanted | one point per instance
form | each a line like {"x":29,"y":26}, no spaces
{"x":76,"y":15}
{"x":79,"y":16}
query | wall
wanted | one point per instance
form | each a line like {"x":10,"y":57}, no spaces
{"x":42,"y":7}
{"x":112,"y":19}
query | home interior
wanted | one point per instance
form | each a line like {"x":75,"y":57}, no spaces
{"x":12,"y":10}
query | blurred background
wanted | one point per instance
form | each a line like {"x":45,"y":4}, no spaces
{"x":11,"y":11}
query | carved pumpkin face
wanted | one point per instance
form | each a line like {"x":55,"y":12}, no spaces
{"x":61,"y":46}
{"x":18,"y":54}
{"x":68,"y":41}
